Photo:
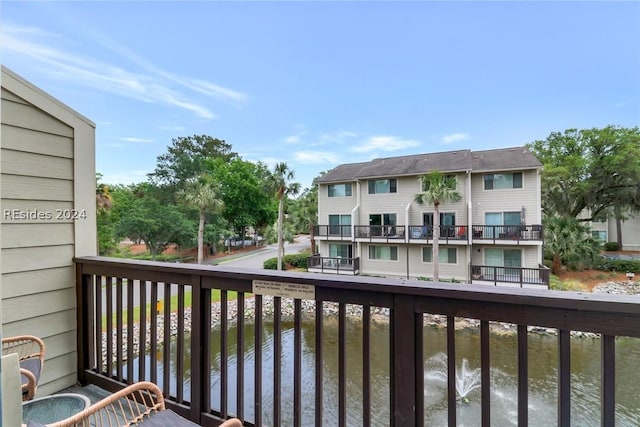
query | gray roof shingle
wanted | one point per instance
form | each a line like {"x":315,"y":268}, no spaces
{"x":449,"y":161}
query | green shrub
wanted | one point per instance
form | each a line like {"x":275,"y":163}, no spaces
{"x":547,"y":263}
{"x":611,"y":246}
{"x":621,"y":265}
{"x":291,"y":260}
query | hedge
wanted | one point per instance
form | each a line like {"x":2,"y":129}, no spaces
{"x":292,"y":260}
{"x":621,"y":265}
{"x":611,"y":246}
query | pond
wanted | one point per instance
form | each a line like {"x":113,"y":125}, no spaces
{"x":543,"y":362}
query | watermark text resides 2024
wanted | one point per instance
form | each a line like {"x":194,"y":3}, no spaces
{"x":42,"y":215}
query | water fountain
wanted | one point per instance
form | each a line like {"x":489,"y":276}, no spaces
{"x":467,"y":379}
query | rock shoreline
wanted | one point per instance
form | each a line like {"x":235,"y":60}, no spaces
{"x":330,"y":309}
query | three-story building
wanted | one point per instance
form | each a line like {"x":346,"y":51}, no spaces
{"x":370,"y":223}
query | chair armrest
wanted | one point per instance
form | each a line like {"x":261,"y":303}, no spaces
{"x":28,"y":387}
{"x":128,"y":406}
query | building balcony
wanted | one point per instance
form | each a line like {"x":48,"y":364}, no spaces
{"x":507,"y":234}
{"x":380,"y":233}
{"x":333,"y":265}
{"x":511,"y":276}
{"x":333,"y":232}
{"x":288,"y":348}
{"x":448,"y":234}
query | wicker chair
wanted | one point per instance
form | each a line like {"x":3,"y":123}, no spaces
{"x":31,"y":352}
{"x":140,"y":404}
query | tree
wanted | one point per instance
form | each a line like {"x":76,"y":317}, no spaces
{"x":305,"y":213}
{"x":104,"y":222}
{"x":281,"y":182}
{"x":243,"y":190}
{"x":590,"y":171}
{"x":157,"y":224}
{"x":436,"y":189}
{"x":204,"y":195}
{"x":568,"y":242}
{"x":188,"y":158}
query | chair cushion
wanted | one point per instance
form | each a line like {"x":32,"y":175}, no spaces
{"x":32,"y":365}
{"x":167,"y":418}
{"x":34,"y":424}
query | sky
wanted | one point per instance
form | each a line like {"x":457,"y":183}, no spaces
{"x":318,"y":84}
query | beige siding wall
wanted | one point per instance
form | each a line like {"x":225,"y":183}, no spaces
{"x":531,"y":255}
{"x":40,"y":146}
{"x":511,"y":200}
{"x":630,"y":233}
{"x":334,"y":205}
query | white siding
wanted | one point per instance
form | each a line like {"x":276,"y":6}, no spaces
{"x":334,"y":205}
{"x":47,"y":168}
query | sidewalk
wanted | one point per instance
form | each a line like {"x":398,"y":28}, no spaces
{"x":221,"y":259}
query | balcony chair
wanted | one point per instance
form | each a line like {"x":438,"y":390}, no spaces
{"x":140,"y":404}
{"x":31,"y":351}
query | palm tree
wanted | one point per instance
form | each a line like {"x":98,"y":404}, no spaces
{"x":436,"y":189}
{"x":568,"y":242}
{"x":202,"y":194}
{"x":305,"y":215}
{"x":103,"y":196}
{"x":281,"y":180}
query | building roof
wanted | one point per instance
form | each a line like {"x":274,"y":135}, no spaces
{"x":450,"y":161}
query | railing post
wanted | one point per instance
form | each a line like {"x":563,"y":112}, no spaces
{"x":84,"y":320}
{"x":403,"y":362}
{"x":198,"y":349}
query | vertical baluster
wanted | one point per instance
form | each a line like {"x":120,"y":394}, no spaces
{"x":608,"y":381}
{"x":277,"y":360}
{"x":180,"y":343}
{"x":366,"y":365}
{"x":257,"y":393}
{"x":224,"y":342}
{"x":342,"y":364}
{"x":485,"y":373}
{"x":451,"y":370}
{"x":119,"y":330}
{"x":523,"y":377}
{"x":142,"y":331}
{"x":240,"y":357}
{"x":166,"y":347}
{"x":297,"y":363}
{"x":98,"y":323}
{"x":130,"y":320}
{"x":564,"y":378}
{"x":153,"y":333}
{"x":109,"y":315}
{"x":319,"y":363}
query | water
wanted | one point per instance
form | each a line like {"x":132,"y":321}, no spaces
{"x":585,"y":377}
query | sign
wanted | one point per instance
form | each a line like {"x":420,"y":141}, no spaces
{"x":286,"y":290}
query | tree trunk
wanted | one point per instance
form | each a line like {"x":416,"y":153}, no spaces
{"x":435,"y":252}
{"x":619,"y":233}
{"x":280,"y":227}
{"x":556,"y":267}
{"x":201,"y":238}
{"x":313,"y":241}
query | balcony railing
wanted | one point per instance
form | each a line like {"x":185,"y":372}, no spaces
{"x":517,"y":275}
{"x":508,"y":232}
{"x":342,"y":232}
{"x":219,"y":343}
{"x":333,"y":265}
{"x":380,"y":232}
{"x":447,"y":232}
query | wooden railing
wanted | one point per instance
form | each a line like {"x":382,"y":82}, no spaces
{"x":518,"y":275}
{"x":333,"y":231}
{"x":199,"y":322}
{"x":333,"y":265}
{"x":508,"y":232}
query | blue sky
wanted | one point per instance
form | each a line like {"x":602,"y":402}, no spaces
{"x":317,"y":84}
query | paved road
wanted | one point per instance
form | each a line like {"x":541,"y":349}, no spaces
{"x":257,"y":258}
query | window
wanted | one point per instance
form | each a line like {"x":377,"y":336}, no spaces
{"x":389,"y":253}
{"x":340,"y":250}
{"x":339,"y":190}
{"x":501,"y":181}
{"x":447,"y":223}
{"x":378,"y":186}
{"x":381,"y":224}
{"x":445,"y":255}
{"x":340,"y":225}
{"x":600,"y":235}
{"x":503,"y":257}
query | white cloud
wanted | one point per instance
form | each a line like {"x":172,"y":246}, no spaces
{"x":455,"y":137}
{"x":384,"y":143}
{"x":337,"y":137}
{"x":292,"y":139}
{"x":152,"y":84}
{"x":134,"y":139}
{"x":315,"y":157}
